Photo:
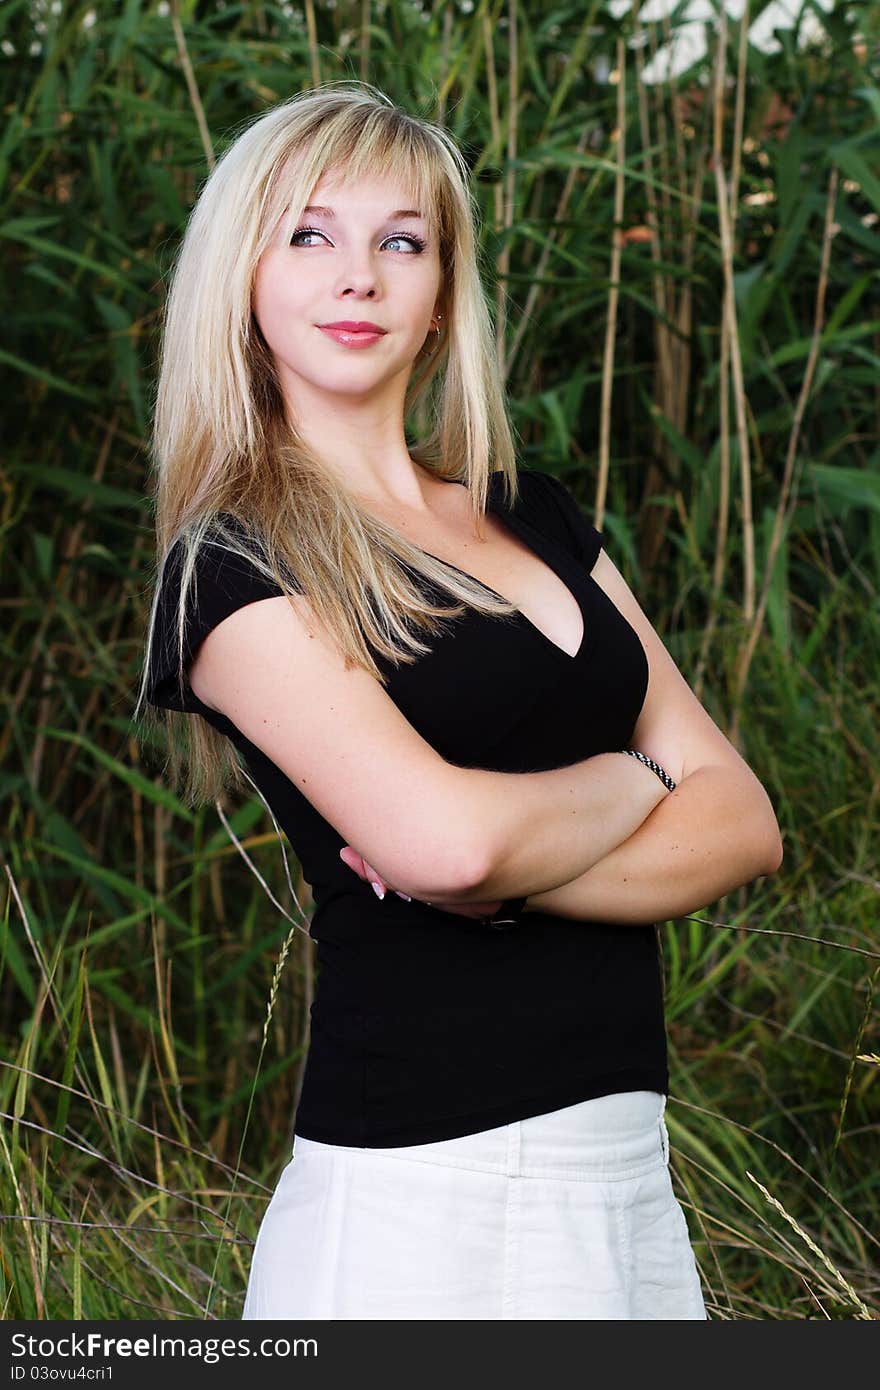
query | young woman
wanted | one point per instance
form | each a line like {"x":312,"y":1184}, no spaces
{"x":429,"y":666}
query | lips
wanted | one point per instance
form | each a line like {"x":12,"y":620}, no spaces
{"x":357,"y":335}
{"x":354,"y":326}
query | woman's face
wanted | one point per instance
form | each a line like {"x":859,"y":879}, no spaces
{"x":364,"y":258}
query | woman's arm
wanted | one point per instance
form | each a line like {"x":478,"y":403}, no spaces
{"x":716,"y":831}
{"x":707,"y":838}
{"x":433,"y":830}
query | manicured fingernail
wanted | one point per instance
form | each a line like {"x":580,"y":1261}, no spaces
{"x":406,"y":897}
{"x":379,"y":891}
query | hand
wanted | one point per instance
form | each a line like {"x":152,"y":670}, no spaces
{"x":366,"y":871}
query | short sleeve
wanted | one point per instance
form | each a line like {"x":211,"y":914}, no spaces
{"x":564,"y":512}
{"x":223,"y":582}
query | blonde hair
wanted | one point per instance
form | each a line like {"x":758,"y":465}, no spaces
{"x":223,"y":446}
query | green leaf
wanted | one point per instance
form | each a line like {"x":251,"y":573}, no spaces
{"x":130,"y":776}
{"x":841,"y":488}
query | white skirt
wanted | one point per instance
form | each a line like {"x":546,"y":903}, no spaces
{"x":570,"y":1214}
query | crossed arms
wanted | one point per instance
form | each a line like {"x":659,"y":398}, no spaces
{"x":601,"y":839}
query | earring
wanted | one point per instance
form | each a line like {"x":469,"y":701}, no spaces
{"x":437,"y":344}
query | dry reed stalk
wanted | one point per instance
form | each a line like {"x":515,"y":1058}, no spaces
{"x":48,"y":985}
{"x":864,"y":1312}
{"x":537,"y":291}
{"x":867,"y":1013}
{"x":136,"y":1180}
{"x":445,"y":52}
{"x":742,"y":59}
{"x":365,"y":41}
{"x":613,"y":290}
{"x":29,"y":1239}
{"x":215,"y":884}
{"x":137,"y":818}
{"x":100,"y":1105}
{"x":661,"y":341}
{"x":42,"y":719}
{"x":662,"y":142}
{"x":789,"y":488}
{"x":672,"y":319}
{"x":165,"y":1031}
{"x":259,"y":877}
{"x":494,"y":109}
{"x":681,"y":345}
{"x":503,"y":263}
{"x":307,"y":995}
{"x":723,"y":521}
{"x":191,"y":84}
{"x":810,"y":1180}
{"x":308,"y":944}
{"x":729,"y":310}
{"x":312,"y":28}
{"x":118,"y":1062}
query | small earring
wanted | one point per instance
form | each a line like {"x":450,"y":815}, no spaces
{"x":437,"y":331}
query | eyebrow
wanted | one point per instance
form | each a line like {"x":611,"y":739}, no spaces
{"x":401,"y":212}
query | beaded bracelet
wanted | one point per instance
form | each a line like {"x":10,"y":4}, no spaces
{"x":655,"y":767}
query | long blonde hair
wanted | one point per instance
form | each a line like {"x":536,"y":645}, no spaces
{"x":223,"y":446}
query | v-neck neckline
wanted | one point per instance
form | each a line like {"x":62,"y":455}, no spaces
{"x":543,"y":549}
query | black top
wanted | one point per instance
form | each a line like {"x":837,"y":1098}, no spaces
{"x":428,"y":1025}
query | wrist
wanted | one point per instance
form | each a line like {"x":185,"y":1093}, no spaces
{"x":659,"y":772}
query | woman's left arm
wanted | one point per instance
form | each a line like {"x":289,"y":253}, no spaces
{"x":703,"y":840}
{"x":715,"y":832}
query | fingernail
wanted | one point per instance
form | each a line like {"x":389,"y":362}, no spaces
{"x":380,"y":892}
{"x":406,"y":897}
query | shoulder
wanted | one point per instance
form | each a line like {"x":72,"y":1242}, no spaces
{"x":227,"y":564}
{"x":225,"y":571}
{"x":546,"y":502}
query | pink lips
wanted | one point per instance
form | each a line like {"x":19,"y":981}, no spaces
{"x":353,"y":333}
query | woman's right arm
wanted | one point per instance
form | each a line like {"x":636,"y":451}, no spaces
{"x":431,"y":828}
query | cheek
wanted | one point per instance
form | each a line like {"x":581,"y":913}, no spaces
{"x":275,"y":301}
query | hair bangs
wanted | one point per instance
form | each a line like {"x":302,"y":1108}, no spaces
{"x":353,"y":144}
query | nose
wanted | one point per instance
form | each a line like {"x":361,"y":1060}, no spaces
{"x":359,"y":278}
{"x":361,"y":287}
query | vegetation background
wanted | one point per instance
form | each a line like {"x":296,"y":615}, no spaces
{"x":685,"y":274}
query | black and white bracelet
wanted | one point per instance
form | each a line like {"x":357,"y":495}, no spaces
{"x":655,"y":767}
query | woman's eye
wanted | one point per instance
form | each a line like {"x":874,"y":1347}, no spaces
{"x":304,"y":231}
{"x":415,"y":241}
